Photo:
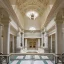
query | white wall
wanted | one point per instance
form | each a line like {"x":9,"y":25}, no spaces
{"x":47,"y":28}
{"x":32,"y":23}
{"x":46,"y":12}
{"x":50,"y":24}
{"x":12,"y":23}
{"x":32,"y":35}
{"x":13,"y":27}
{"x":46,"y":40}
{"x":19,"y":40}
{"x":63,"y":37}
{"x":14,"y":31}
{"x":19,"y":15}
{"x":44,"y":16}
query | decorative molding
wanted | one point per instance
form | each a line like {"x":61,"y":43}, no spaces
{"x":32,"y":31}
{"x":7,"y":6}
{"x":51,"y":29}
{"x":56,"y":7}
{"x":59,"y":16}
{"x":36,"y":5}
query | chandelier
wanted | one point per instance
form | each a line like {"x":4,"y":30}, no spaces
{"x":32,"y":15}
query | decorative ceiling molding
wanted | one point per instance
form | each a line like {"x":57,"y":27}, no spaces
{"x":32,"y":31}
{"x":36,"y":5}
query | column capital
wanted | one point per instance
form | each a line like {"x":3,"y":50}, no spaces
{"x":60,"y":17}
{"x":5,"y":21}
{"x":1,"y":12}
{"x":59,"y":21}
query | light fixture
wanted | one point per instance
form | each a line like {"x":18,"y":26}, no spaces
{"x":32,"y":15}
{"x":32,"y":28}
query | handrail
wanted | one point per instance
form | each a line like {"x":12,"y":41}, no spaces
{"x":44,"y":54}
{"x":31,"y":53}
{"x":4,"y":55}
{"x":54,"y":55}
{"x":27,"y":54}
{"x":10,"y":58}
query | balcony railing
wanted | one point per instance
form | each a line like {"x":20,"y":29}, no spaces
{"x":4,"y":59}
{"x":18,"y":57}
{"x":49,"y":57}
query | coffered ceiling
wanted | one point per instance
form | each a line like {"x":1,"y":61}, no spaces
{"x":35,"y":5}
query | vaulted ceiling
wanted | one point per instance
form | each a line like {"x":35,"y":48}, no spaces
{"x":28,"y":5}
{"x":42,"y":7}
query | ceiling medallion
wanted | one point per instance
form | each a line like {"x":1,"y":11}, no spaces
{"x":32,"y":15}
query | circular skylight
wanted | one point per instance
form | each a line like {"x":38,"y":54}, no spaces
{"x":32,"y":28}
{"x":32,"y":13}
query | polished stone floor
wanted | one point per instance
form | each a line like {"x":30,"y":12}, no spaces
{"x":25,"y":50}
{"x":31,"y":59}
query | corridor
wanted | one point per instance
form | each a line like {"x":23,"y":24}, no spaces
{"x":31,"y":31}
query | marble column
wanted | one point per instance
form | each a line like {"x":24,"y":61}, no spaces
{"x":1,"y":39}
{"x":42,"y":40}
{"x":6,"y":36}
{"x":59,"y":37}
{"x":38,"y":43}
{"x":13,"y":43}
{"x":23,"y":40}
{"x":25,"y":43}
{"x":46,"y":40}
{"x":1,"y":43}
{"x":51,"y":43}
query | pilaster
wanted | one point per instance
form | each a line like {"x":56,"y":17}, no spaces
{"x":38,"y":43}
{"x":42,"y":40}
{"x":1,"y":39}
{"x":6,"y":36}
{"x":25,"y":43}
{"x":23,"y":40}
{"x":59,"y":37}
{"x":13,"y":43}
{"x":51,"y":43}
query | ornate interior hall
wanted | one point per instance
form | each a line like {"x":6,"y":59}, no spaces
{"x":31,"y":31}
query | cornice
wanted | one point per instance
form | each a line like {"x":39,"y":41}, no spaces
{"x":32,"y":31}
{"x":56,"y":7}
{"x":26,"y":5}
{"x":7,"y":6}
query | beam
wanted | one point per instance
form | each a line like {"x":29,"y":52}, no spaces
{"x":7,"y":6}
{"x":56,"y":7}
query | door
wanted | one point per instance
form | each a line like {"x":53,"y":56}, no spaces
{"x":32,"y":43}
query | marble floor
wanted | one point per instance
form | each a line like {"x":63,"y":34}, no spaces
{"x":31,"y":59}
{"x":25,"y":50}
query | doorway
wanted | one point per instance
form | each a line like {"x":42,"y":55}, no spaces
{"x":53,"y":43}
{"x":32,"y":43}
{"x":11,"y":44}
{"x":51,"y":46}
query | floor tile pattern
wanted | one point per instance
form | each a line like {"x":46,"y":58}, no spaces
{"x":31,"y":59}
